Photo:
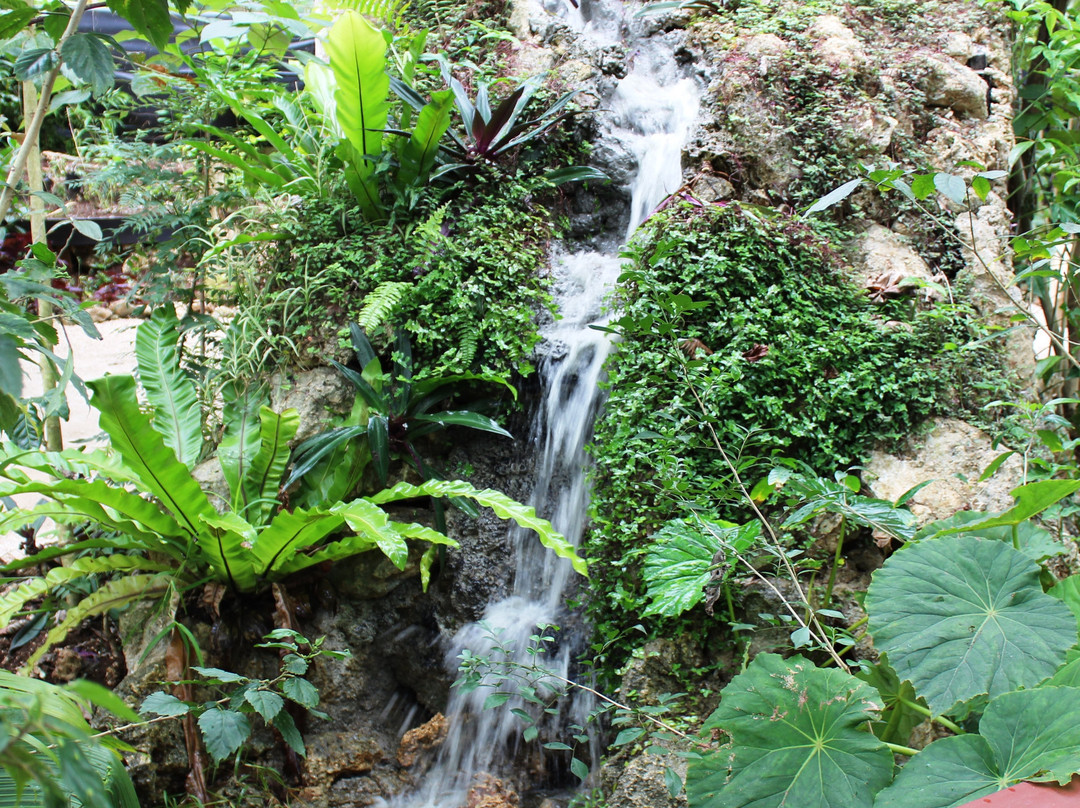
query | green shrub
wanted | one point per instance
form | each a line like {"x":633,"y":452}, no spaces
{"x":750,"y":308}
{"x":472,"y":259}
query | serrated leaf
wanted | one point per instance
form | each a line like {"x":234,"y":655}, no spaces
{"x":952,"y":187}
{"x":1068,"y":592}
{"x":163,"y":704}
{"x":922,"y":185}
{"x":673,"y":782}
{"x":1030,"y":735}
{"x":961,"y":616}
{"x":898,"y":718}
{"x":555,"y":746}
{"x":679,"y":563}
{"x":284,"y":724}
{"x":301,"y":691}
{"x":579,"y":769}
{"x":219,"y":676}
{"x":89,"y":59}
{"x":35,"y":62}
{"x":798,"y":738}
{"x":628,"y":736}
{"x":266,"y":703}
{"x":496,"y":700}
{"x":981,"y":187}
{"x":223,"y":731}
{"x":294,"y":664}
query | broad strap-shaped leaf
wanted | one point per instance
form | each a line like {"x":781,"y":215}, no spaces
{"x":260,"y":484}
{"x":679,"y":564}
{"x":472,"y":420}
{"x":145,"y":453}
{"x":1028,"y":735}
{"x":378,"y":434}
{"x":115,"y":594}
{"x":289,"y":533}
{"x":170,"y":391}
{"x":311,"y":452}
{"x":798,"y":737}
{"x":371,"y":521}
{"x":86,"y":494}
{"x":225,"y":541}
{"x":357,"y":53}
{"x":961,"y":616}
{"x":420,"y":150}
{"x":242,"y":436}
{"x":504,"y":507}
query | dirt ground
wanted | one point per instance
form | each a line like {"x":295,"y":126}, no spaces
{"x":113,"y":353}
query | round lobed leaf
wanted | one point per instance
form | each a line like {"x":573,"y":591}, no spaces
{"x":798,"y":738}
{"x":962,"y":616}
{"x":1026,"y":735}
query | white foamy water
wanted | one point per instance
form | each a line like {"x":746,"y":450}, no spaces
{"x":651,"y":113}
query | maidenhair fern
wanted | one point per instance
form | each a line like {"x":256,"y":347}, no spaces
{"x":381,"y":304}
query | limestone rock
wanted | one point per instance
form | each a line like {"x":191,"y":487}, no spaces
{"x":836,"y":44}
{"x":641,"y":783}
{"x":491,"y":792}
{"x":99,"y":313}
{"x":888,"y":267}
{"x":318,"y":395}
{"x":953,"y":454}
{"x":947,"y":83}
{"x":422,"y":740}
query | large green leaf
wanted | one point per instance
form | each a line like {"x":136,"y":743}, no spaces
{"x":145,"y":453}
{"x":170,"y":391}
{"x":225,"y":541}
{"x":260,"y":484}
{"x":1035,"y":542}
{"x":289,"y":533}
{"x":961,"y":616}
{"x":1029,"y":735}
{"x":224,"y":731}
{"x":357,"y":53}
{"x":241,"y":438}
{"x":899,"y":717}
{"x":679,"y":564}
{"x":472,"y":420}
{"x":115,"y":594}
{"x":1031,"y":500}
{"x":504,"y":507}
{"x":798,"y":737}
{"x":93,"y":497}
{"x":149,"y":17}
{"x":419,"y":152}
{"x":89,"y":59}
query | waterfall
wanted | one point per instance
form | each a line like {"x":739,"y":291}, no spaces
{"x":651,"y":112}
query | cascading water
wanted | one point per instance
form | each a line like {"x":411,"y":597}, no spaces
{"x":651,"y":112}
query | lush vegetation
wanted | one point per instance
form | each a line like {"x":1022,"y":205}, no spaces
{"x":388,"y":211}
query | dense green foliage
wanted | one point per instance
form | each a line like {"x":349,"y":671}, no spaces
{"x":775,"y":342}
{"x":472,"y":261}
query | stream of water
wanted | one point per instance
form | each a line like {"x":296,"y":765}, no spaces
{"x":649,"y":115}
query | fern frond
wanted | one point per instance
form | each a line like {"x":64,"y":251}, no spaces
{"x":380,"y":304}
{"x":468,"y":344}
{"x":389,"y":14}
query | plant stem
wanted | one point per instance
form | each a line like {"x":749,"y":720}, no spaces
{"x":940,"y":719}
{"x":33,"y":128}
{"x":837,"y":560}
{"x":54,"y":441}
{"x":1016,"y":535}
{"x":896,"y":749}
